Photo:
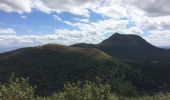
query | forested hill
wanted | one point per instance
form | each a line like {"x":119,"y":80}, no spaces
{"x":153,"y":62}
{"x":49,"y":67}
{"x":128,"y":63}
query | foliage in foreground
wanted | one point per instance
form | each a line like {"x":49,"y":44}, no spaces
{"x":88,"y":91}
{"x":19,"y":89}
{"x":16,"y":89}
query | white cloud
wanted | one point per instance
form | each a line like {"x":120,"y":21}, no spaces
{"x":78,"y":7}
{"x":83,"y":20}
{"x":23,"y":17}
{"x":7,"y":31}
{"x":159,"y":38}
{"x":19,"y":6}
{"x":27,"y":40}
{"x":153,"y":7}
{"x":132,"y":30}
{"x":152,"y":16}
{"x":57,"y":18}
{"x":111,"y":8}
{"x":88,"y":32}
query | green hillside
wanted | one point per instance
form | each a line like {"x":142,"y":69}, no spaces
{"x":91,"y":52}
{"x":153,"y":62}
{"x":49,"y":67}
{"x":133,"y":66}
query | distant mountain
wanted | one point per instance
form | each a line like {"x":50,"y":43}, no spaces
{"x":130,"y":47}
{"x":50,"y":66}
{"x":153,"y":62}
{"x":125,"y":40}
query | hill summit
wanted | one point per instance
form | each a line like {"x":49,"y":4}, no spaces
{"x":136,"y":51}
{"x":125,"y":40}
{"x":128,"y":46}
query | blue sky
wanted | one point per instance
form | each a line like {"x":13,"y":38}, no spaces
{"x":37,"y":22}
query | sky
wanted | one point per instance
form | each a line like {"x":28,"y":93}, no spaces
{"x":26,"y":23}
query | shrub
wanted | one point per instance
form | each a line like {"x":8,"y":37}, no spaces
{"x":16,"y":89}
{"x":87,"y":91}
{"x":20,"y":89}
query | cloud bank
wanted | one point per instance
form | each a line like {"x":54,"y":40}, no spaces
{"x":141,"y":17}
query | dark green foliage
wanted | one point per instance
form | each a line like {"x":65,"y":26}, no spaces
{"x":126,"y":89}
{"x":51,"y":66}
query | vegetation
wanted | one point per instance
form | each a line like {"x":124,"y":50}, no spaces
{"x":91,"y":52}
{"x":88,"y":91}
{"x":50,"y":66}
{"x":16,"y":89}
{"x":139,"y":69}
{"x":151,"y":62}
{"x":160,"y":96}
{"x":19,"y":89}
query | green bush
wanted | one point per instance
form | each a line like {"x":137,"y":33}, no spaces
{"x":87,"y":91}
{"x":20,"y":89}
{"x":16,"y":89}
